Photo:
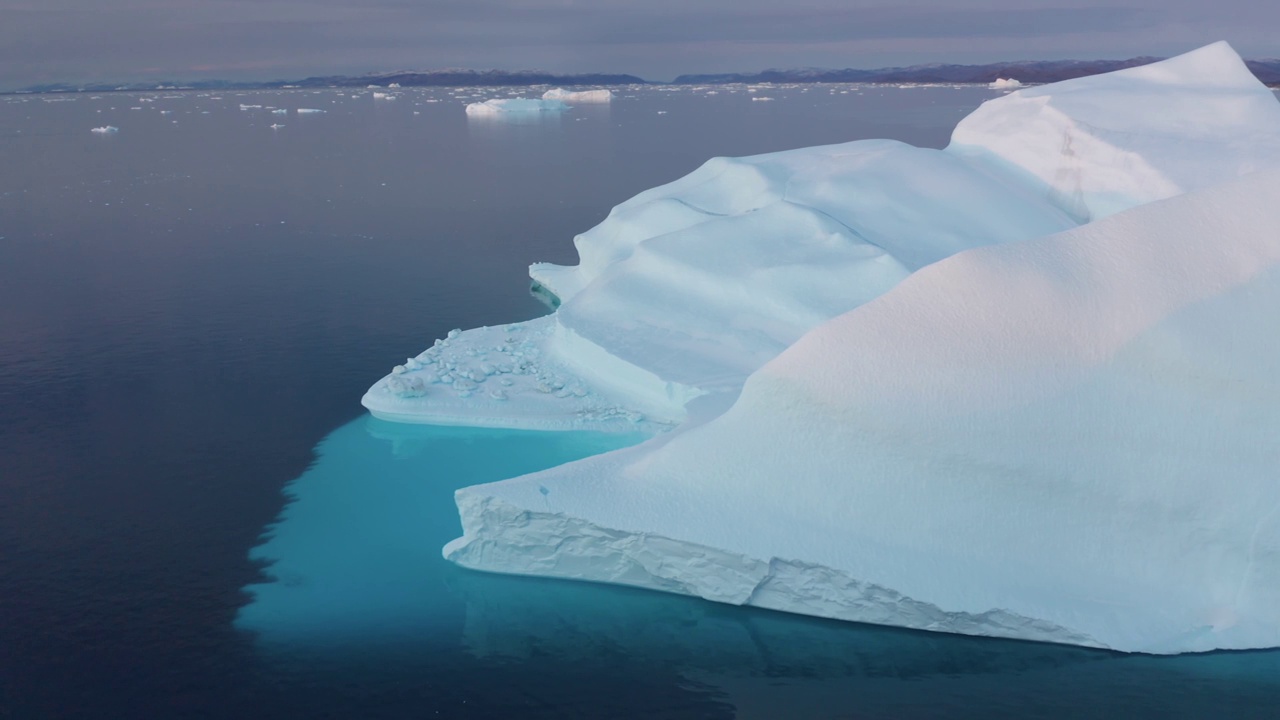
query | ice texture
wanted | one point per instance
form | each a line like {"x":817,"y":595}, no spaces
{"x":579,"y":96}
{"x":1017,"y":387}
{"x":514,"y":106}
{"x":1070,"y":439}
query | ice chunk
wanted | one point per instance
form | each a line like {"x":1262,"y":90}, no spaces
{"x":105,"y":130}
{"x":514,"y":106}
{"x":1069,"y":439}
{"x":1097,"y":145}
{"x":1005,"y":84}
{"x":309,"y":111}
{"x":580,"y":96}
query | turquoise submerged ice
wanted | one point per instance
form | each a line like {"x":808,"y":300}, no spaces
{"x":1019,"y":387}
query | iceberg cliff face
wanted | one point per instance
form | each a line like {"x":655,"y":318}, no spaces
{"x":1068,"y":439}
{"x":951,"y":406}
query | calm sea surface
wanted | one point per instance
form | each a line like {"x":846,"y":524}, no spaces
{"x":197,"y":520}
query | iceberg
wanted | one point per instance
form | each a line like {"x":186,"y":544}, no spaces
{"x":1013,"y":388}
{"x":686,"y":289}
{"x":105,"y":130}
{"x":1069,"y":439}
{"x":1005,"y":84}
{"x":580,"y":96}
{"x":514,"y":106}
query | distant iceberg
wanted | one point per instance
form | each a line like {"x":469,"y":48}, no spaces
{"x":581,"y":96}
{"x":309,"y":111}
{"x":105,"y":130}
{"x":515,"y":106}
{"x":998,"y":389}
{"x":1005,"y":84}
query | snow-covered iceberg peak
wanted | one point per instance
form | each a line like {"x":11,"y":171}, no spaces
{"x":1071,"y":439}
{"x":1104,"y":143}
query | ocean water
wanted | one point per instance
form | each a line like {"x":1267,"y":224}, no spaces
{"x":198,"y":520}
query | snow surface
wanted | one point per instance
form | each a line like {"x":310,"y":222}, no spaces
{"x":1101,"y":144}
{"x":1069,"y":439}
{"x":1062,"y":433}
{"x":581,"y":96}
{"x":514,"y":106}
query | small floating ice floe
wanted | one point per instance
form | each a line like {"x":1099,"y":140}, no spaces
{"x":1005,"y":84}
{"x":309,"y":111}
{"x":106,"y":130}
{"x":276,"y":126}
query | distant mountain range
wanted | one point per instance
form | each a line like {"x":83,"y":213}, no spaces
{"x":403,"y":78}
{"x":1028,"y":71}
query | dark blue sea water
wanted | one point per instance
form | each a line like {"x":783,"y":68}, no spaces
{"x":198,"y":521}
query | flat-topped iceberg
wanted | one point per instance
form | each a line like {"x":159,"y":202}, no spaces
{"x":1017,"y":387}
{"x":578,"y":96}
{"x":514,"y":106}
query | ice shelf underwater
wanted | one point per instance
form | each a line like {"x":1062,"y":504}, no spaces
{"x":1023,"y":387}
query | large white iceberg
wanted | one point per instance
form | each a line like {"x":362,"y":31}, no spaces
{"x":1070,"y":439}
{"x":1005,"y":84}
{"x":949,"y":467}
{"x":578,"y":96}
{"x":687,"y":288}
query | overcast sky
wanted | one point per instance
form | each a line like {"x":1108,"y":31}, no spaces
{"x":84,"y":40}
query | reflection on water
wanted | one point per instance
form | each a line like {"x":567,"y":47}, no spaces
{"x":357,"y":578}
